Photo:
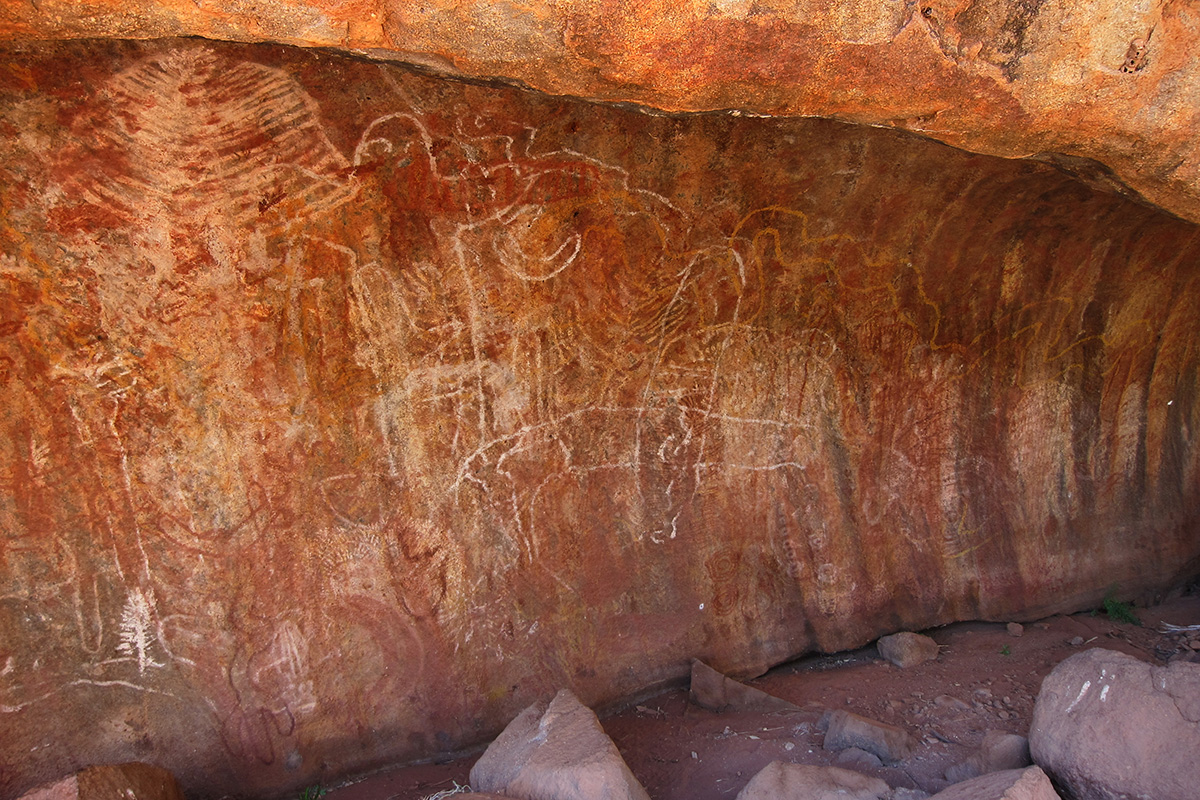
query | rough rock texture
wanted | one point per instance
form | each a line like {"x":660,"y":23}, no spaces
{"x":556,"y":752}
{"x":999,"y":751}
{"x":783,"y":781}
{"x":844,"y":729}
{"x":1056,"y":79}
{"x":717,"y":692}
{"x":133,"y":781}
{"x":1110,"y":727}
{"x":907,"y":649}
{"x":347,"y":411}
{"x":1016,"y":784}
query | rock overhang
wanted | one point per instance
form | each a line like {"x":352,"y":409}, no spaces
{"x":442,"y":349}
{"x":1014,"y":78}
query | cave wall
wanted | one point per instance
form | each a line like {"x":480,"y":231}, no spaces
{"x":1112,"y":90}
{"x":347,"y":410}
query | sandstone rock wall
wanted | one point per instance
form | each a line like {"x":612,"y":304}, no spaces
{"x":1111,"y":89}
{"x":346,"y":411}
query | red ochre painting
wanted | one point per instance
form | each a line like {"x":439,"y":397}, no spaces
{"x":346,"y":411}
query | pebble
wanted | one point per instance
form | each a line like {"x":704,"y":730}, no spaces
{"x":1015,"y":629}
{"x":1078,"y":640}
{"x":946,"y":701}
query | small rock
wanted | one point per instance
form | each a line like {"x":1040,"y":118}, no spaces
{"x":1076,"y":641}
{"x":952,"y":703}
{"x":789,"y":746}
{"x":1014,"y":784}
{"x":133,"y":781}
{"x":902,"y":793}
{"x":999,"y":751}
{"x":782,"y":781}
{"x":857,"y":759}
{"x":1015,"y":629}
{"x":557,"y":751}
{"x":907,"y":649}
{"x":1002,"y":714}
{"x":890,"y":743}
{"x":1107,"y":725}
{"x":716,"y":692}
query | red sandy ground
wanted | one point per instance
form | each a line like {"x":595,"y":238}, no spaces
{"x":682,"y":752}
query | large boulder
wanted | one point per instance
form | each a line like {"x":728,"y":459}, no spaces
{"x":844,"y":729}
{"x":1108,"y":726}
{"x":780,"y":780}
{"x":556,"y":752}
{"x":718,"y":692}
{"x":1030,"y":783}
{"x":907,"y":649}
{"x":999,"y":751}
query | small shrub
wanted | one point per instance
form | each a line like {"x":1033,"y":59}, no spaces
{"x":1120,"y":612}
{"x":313,"y":793}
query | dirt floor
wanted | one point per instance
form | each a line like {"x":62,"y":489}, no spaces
{"x":986,"y":678}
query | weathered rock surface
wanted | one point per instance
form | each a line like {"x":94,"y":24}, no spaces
{"x":999,"y":751}
{"x":1017,"y":784}
{"x":717,"y":692}
{"x":907,"y":649}
{"x":780,"y":780}
{"x":1110,"y":727}
{"x":347,"y":411}
{"x":844,"y":729}
{"x":856,"y":759}
{"x":1007,"y":77}
{"x":556,"y":752}
{"x":133,"y":781}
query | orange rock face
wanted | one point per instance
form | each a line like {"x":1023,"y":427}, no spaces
{"x":1046,"y":78}
{"x":347,"y":411}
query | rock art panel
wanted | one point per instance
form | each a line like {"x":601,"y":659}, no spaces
{"x":1111,"y":96}
{"x":347,"y":411}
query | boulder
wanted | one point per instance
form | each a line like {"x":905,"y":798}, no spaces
{"x":844,"y":729}
{"x":133,"y":781}
{"x":857,"y":759}
{"x":1013,"y":784}
{"x":999,"y":751}
{"x":712,"y":690}
{"x":556,"y":752}
{"x":1107,"y":726}
{"x":783,"y":781}
{"x":907,"y":649}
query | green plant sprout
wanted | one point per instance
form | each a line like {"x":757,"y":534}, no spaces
{"x":1005,"y":651}
{"x":1118,"y":611}
{"x":314,"y":792}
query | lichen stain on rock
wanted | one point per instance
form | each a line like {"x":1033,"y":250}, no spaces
{"x":343,"y":406}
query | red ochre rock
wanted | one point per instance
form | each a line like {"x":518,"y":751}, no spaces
{"x":347,"y":411}
{"x":133,"y":781}
{"x":1112,"y":96}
